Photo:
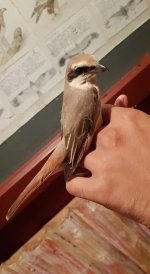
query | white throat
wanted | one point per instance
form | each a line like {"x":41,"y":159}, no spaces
{"x":80,"y":82}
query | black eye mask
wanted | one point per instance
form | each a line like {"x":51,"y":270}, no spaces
{"x":79,"y":71}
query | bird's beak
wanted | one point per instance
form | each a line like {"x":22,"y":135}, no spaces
{"x":101,"y":68}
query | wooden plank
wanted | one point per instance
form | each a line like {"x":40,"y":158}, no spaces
{"x":84,"y":237}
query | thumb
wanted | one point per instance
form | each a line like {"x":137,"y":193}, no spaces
{"x":121,"y":101}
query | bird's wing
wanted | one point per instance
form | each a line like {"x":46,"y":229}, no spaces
{"x":78,"y":139}
{"x":53,"y":165}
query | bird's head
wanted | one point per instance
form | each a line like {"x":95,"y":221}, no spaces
{"x":83,"y":68}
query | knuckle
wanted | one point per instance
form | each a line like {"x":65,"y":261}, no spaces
{"x":129,"y":113}
{"x":109,"y":137}
{"x":126,"y":118}
{"x":123,"y":113}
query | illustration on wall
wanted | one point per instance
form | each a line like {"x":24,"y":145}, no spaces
{"x":38,"y":37}
{"x":2,"y":21}
{"x":80,"y":47}
{"x":123,"y":11}
{"x":41,"y":5}
{"x":14,"y":46}
{"x":8,"y":48}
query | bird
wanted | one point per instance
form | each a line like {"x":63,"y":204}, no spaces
{"x":14,"y":46}
{"x":124,"y":10}
{"x":2,"y":21}
{"x":41,"y":5}
{"x":80,"y":118}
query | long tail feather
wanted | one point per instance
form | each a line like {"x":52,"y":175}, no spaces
{"x":53,"y":165}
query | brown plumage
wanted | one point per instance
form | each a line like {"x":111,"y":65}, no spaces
{"x":80,"y":118}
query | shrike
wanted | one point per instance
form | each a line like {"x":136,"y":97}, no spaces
{"x":80,"y":118}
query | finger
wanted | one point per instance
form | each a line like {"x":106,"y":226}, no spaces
{"x":121,"y":101}
{"x":80,"y":187}
{"x":89,"y":162}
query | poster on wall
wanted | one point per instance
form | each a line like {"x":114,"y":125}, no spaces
{"x":38,"y":37}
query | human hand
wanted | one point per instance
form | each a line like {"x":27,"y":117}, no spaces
{"x":120,"y":166}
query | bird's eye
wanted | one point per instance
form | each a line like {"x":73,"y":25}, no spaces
{"x":92,"y":68}
{"x":77,"y":71}
{"x":84,"y":70}
{"x":81,"y":70}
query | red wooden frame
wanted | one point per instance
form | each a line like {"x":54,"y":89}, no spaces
{"x":49,"y":199}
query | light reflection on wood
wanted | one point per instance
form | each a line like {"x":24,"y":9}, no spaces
{"x":84,"y":238}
